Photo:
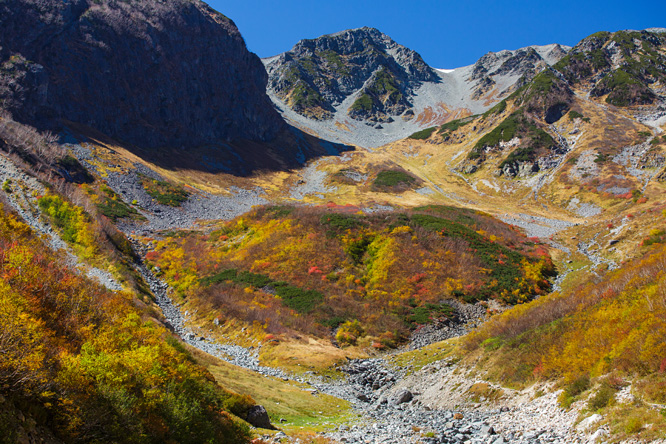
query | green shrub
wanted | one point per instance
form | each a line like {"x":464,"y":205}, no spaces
{"x":492,"y":343}
{"x":426,"y":313}
{"x":302,"y":301}
{"x":113,"y":207}
{"x":349,"y":332}
{"x":223,"y":276}
{"x":423,"y":134}
{"x":341,"y":222}
{"x":458,"y":123}
{"x":573,"y":114}
{"x":363,"y":103}
{"x":633,"y":425}
{"x":254,"y":279}
{"x":6,"y":186}
{"x":602,"y":398}
{"x":601,"y":158}
{"x":573,"y":390}
{"x":504,"y":132}
{"x":393,"y":178}
{"x":497,"y":109}
{"x":303,"y":96}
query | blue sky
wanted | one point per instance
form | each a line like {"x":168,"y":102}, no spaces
{"x":447,"y":34}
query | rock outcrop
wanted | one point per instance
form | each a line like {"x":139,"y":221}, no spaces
{"x":506,"y":71}
{"x":149,"y":73}
{"x":623,"y":66}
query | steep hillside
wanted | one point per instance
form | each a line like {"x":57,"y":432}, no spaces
{"x":361,"y":87}
{"x":625,"y":68}
{"x":80,"y":363}
{"x":605,"y":338}
{"x":136,"y":71}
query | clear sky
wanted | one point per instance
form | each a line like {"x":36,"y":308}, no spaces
{"x":447,"y":34}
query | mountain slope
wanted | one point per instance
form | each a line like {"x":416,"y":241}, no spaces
{"x":136,"y":71}
{"x":80,"y":363}
{"x":361,"y":87}
{"x":626,"y":67}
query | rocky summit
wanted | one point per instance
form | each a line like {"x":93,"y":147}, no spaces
{"x":317,"y":75}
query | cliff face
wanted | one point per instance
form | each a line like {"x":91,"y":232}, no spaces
{"x":149,"y":72}
{"x":317,"y":75}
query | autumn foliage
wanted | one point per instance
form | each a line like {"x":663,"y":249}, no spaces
{"x":83,"y":363}
{"x":313,"y":269}
{"x":615,"y":323}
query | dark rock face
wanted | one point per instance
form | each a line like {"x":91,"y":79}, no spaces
{"x":547,"y":96}
{"x":258,"y":417}
{"x":149,"y":72}
{"x":318,"y":74}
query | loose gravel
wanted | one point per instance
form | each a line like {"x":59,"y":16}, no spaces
{"x":23,"y":199}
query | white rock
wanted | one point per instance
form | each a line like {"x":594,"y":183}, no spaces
{"x":589,"y":422}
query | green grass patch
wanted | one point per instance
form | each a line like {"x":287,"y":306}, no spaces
{"x":164,"y":192}
{"x":283,"y":400}
{"x":113,"y":207}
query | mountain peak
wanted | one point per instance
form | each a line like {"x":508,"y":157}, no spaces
{"x":317,"y":75}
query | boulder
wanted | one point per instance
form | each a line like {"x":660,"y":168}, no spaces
{"x":258,"y":417}
{"x":403,"y":397}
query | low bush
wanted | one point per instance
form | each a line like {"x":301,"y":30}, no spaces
{"x":423,"y":134}
{"x":393,"y":179}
